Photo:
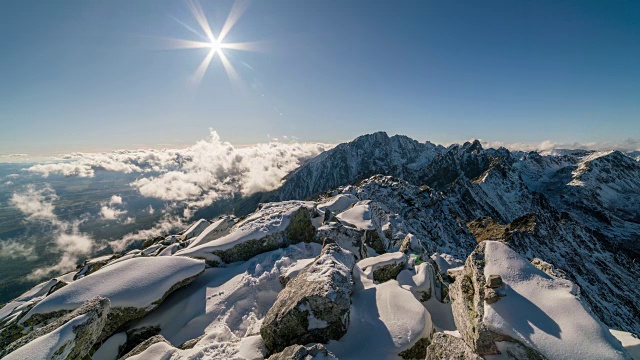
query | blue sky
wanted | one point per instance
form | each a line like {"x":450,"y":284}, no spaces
{"x":88,"y":75}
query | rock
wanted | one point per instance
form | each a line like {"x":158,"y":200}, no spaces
{"x":145,"y":345}
{"x":347,"y":237}
{"x":315,"y":305}
{"x":447,"y":347}
{"x":308,"y":352}
{"x":87,"y":323}
{"x":92,"y":265}
{"x":468,"y":295}
{"x":494,"y":281}
{"x":548,"y":268}
{"x":417,"y":351}
{"x":274,"y":226}
{"x":383,"y":267}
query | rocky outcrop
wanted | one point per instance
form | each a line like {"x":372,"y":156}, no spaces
{"x":468,"y":296}
{"x":315,"y":305}
{"x":145,"y":345}
{"x":308,"y":352}
{"x":469,"y":293}
{"x":85,"y":334}
{"x":447,"y":347}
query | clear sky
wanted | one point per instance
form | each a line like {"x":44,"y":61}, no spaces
{"x":88,"y":75}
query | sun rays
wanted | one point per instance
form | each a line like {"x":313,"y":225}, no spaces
{"x":215,"y":44}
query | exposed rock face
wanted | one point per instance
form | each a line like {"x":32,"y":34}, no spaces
{"x":548,"y":268}
{"x":145,"y":345}
{"x":315,"y":305}
{"x":86,"y":333}
{"x":299,"y":352}
{"x":467,"y":295}
{"x":447,"y":347}
{"x":417,"y":351}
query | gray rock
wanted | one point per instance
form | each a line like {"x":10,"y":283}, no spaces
{"x":417,"y":351}
{"x":299,"y":352}
{"x":447,"y":347}
{"x":300,"y":229}
{"x":315,"y":305}
{"x":86,"y":334}
{"x":494,"y":281}
{"x":145,"y":345}
{"x":387,"y":272}
{"x":468,"y":294}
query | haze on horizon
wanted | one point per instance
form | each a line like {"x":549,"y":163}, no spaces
{"x":89,"y":76}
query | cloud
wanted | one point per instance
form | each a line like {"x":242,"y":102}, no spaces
{"x":69,"y":242}
{"x":37,"y":204}
{"x":161,"y":228}
{"x":115,"y":200}
{"x":198,"y":175}
{"x":15,"y":249}
{"x":548,"y":146}
{"x":72,"y":245}
{"x":110,"y":213}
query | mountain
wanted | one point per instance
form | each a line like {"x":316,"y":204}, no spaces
{"x":383,"y":247}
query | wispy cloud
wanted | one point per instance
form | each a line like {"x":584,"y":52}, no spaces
{"x":37,"y":204}
{"x":629,"y":144}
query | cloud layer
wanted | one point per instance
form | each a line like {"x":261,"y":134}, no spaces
{"x":196,"y":176}
{"x":37,"y":204}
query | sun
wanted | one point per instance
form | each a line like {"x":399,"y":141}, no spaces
{"x":216,"y":44}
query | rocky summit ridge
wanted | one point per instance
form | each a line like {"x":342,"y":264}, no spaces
{"x":383,"y":247}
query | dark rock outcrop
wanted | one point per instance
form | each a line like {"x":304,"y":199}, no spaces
{"x":315,"y":305}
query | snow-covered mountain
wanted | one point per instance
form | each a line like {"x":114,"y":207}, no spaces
{"x":382,"y":248}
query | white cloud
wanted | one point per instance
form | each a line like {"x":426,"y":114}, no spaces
{"x":37,"y":204}
{"x":198,"y":175}
{"x":15,"y":249}
{"x":115,"y":200}
{"x":110,"y":213}
{"x":161,"y":228}
{"x":548,"y":145}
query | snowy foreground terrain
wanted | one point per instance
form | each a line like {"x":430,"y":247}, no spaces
{"x":382,"y":248}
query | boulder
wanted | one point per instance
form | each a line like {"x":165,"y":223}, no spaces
{"x":448,"y":347}
{"x":308,"y":352}
{"x":145,"y":345}
{"x":71,"y":336}
{"x":383,"y":267}
{"x":273,"y":226}
{"x":467,"y":302}
{"x":315,"y":305}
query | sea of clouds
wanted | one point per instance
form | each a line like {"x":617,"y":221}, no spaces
{"x":186,"y":179}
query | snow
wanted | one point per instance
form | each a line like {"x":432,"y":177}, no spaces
{"x":135,"y":283}
{"x":385,"y":320}
{"x":47,"y":345}
{"x":295,"y":269}
{"x":422,"y":280}
{"x":446,"y":262}
{"x":169,"y":250}
{"x":629,"y":341}
{"x":270,"y":219}
{"x":159,"y":350}
{"x":358,"y":216}
{"x":214,"y":231}
{"x":109,"y":349}
{"x":369,"y":265}
{"x":196,"y":229}
{"x":35,"y":294}
{"x":338,"y":203}
{"x":544,"y":312}
{"x":226,"y":304}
